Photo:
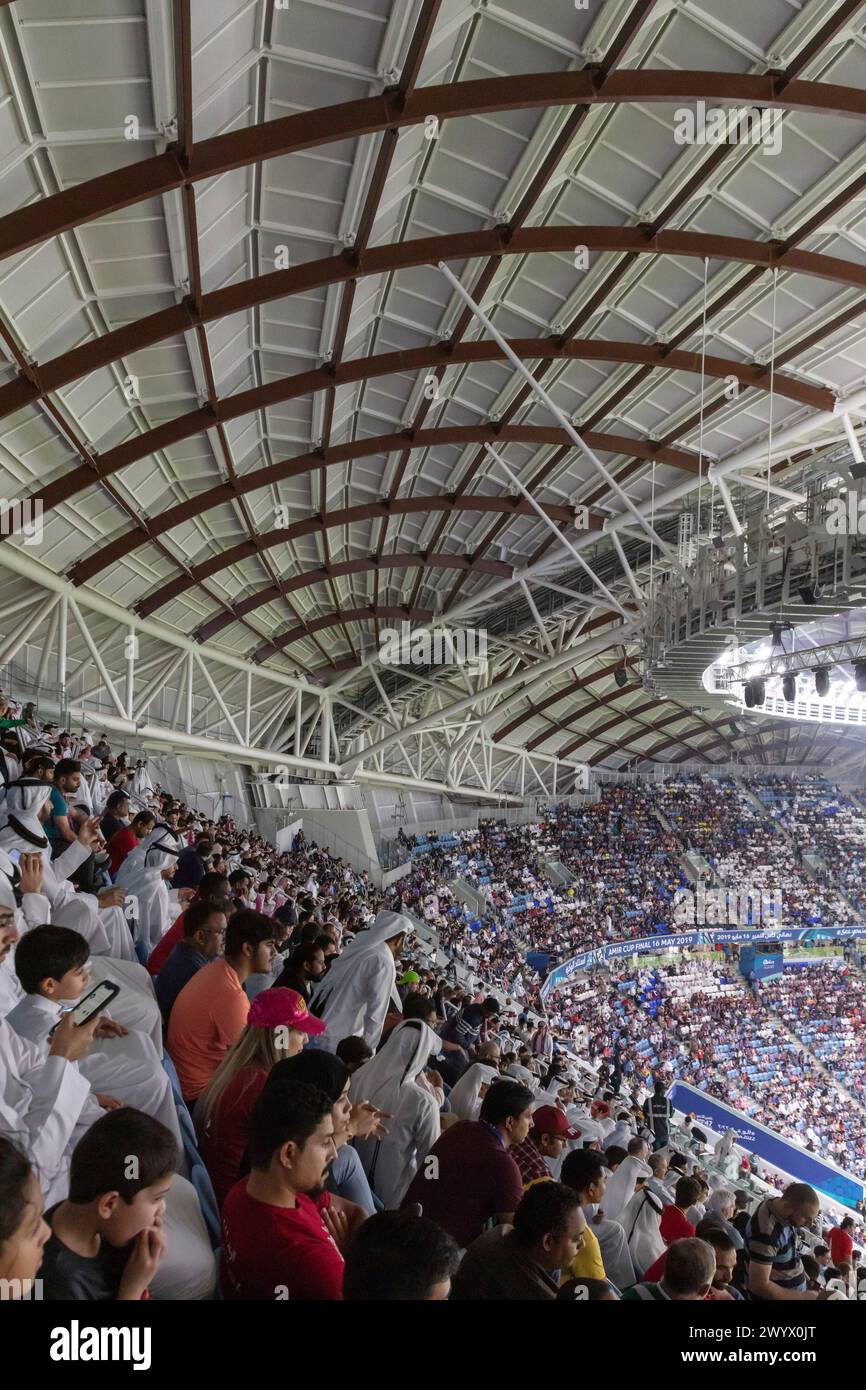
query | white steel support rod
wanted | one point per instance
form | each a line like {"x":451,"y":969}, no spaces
{"x":585,"y":599}
{"x":161,"y":679}
{"x":190,"y":670}
{"x":502,"y":687}
{"x":10,"y":609}
{"x":248,"y":706}
{"x":89,"y":599}
{"x":627,"y":569}
{"x":542,"y":395}
{"x":276,"y":708}
{"x":856,"y":450}
{"x":25,"y":630}
{"x":218,"y":697}
{"x":325,"y":732}
{"x":551,"y":525}
{"x":728,"y":501}
{"x":97,"y":659}
{"x":62,"y":639}
{"x":50,"y":639}
{"x":760,"y":485}
{"x":131,"y":654}
{"x":537,"y":616}
{"x":183,"y":673}
{"x":203,"y":716}
{"x":299,"y":703}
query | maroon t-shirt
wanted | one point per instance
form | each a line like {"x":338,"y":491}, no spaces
{"x":472,"y":1179}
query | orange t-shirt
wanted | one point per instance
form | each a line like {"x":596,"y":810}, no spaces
{"x":208,"y":1017}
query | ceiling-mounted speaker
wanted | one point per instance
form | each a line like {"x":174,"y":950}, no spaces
{"x":810,"y":593}
{"x":822,"y":681}
{"x":621,"y":677}
{"x":789,"y":687}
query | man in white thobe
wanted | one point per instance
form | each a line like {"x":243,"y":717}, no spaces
{"x":354,"y":996}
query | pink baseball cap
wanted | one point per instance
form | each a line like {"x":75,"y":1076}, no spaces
{"x":284,"y":1007}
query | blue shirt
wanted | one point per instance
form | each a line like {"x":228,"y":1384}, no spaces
{"x":184,"y":961}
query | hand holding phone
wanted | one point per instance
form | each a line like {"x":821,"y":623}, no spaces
{"x":71,"y":1040}
{"x":88,"y":1009}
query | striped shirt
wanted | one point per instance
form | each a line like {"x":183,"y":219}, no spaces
{"x":772,"y":1241}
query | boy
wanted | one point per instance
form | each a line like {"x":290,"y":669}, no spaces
{"x":106,"y":1240}
{"x":123,"y":1068}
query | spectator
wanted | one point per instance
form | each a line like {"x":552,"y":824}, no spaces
{"x":774,"y":1269}
{"x":304,"y":969}
{"x":125,"y":840}
{"x":210,"y":1012}
{"x":276,"y":1240}
{"x":213,"y":889}
{"x":519,"y":1262}
{"x":390,"y":1083}
{"x":61,"y":826}
{"x":193,"y":864}
{"x":689,"y":1271}
{"x":112,"y":1206}
{"x":23,"y":1230}
{"x":115,"y":817}
{"x":675,"y":1224}
{"x":398,"y":1256}
{"x":469,"y":1177}
{"x":842,"y":1244}
{"x":278,"y":1026}
{"x":353,"y":997}
{"x":543,"y":1145}
{"x":346,"y":1179}
{"x":204,"y":934}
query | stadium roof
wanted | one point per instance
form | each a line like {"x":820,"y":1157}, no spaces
{"x":255,"y":410}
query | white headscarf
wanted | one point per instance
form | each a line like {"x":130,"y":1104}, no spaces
{"x":397,"y":1063}
{"x":386,"y":926}
{"x":641,"y":1219}
{"x":620,"y":1135}
{"x":621,"y":1185}
{"x":20,"y":827}
{"x":388,"y":1082}
{"x":8,"y":875}
{"x":144,"y":864}
{"x":465,"y":1099}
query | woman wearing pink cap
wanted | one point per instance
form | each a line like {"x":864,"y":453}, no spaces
{"x":278,"y":1026}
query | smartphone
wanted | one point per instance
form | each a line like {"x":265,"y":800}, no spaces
{"x":14,"y":855}
{"x":94,"y":1002}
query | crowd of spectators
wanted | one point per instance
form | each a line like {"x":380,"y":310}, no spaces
{"x":701,"y":1022}
{"x":298,"y":1077}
